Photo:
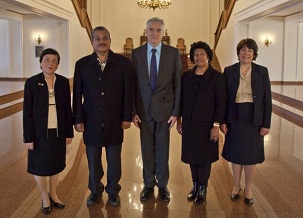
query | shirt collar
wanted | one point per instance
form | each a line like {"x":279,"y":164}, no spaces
{"x":158,"y":48}
{"x":110,"y":57}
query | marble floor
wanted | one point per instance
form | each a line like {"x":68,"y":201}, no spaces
{"x":277,"y":187}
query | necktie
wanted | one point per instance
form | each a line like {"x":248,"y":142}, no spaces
{"x":153,"y":71}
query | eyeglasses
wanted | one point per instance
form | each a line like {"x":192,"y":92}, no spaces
{"x":98,"y":39}
{"x":46,"y":61}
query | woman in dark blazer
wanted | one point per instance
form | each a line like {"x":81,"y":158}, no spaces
{"x":203,"y":107}
{"x":248,"y":116}
{"x":47,"y":126}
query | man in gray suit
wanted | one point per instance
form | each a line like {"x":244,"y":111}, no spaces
{"x":156,"y":105}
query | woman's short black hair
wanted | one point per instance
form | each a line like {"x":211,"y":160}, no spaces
{"x":202,"y":45}
{"x":49,"y":51}
{"x":249,"y":43}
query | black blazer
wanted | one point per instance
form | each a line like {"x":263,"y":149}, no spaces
{"x":107,"y":98}
{"x":261,"y":92}
{"x":35,"y":108}
{"x":205,"y":102}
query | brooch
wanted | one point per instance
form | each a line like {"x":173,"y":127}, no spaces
{"x":40,"y":84}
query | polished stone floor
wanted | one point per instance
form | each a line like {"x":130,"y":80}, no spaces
{"x":277,"y":188}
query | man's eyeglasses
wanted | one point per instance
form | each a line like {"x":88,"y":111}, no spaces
{"x":99,"y":39}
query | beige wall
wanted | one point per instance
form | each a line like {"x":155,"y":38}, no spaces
{"x":192,"y":20}
{"x":60,"y":29}
{"x":249,"y":20}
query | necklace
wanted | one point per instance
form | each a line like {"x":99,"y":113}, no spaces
{"x":244,"y":72}
{"x":51,"y":94}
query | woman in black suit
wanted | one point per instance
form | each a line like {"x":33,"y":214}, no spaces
{"x":203,"y":106}
{"x":47,"y":126}
{"x":248,"y":116}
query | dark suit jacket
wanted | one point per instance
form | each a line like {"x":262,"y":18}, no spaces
{"x":35,"y":108}
{"x":107,"y":98}
{"x":165,"y":101}
{"x":261,"y":92}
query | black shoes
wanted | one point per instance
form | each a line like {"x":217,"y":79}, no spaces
{"x":57,"y":204}
{"x":235,"y":197}
{"x":192,"y":194}
{"x":201,"y":194}
{"x":114,"y":200}
{"x":248,"y":201}
{"x":164,"y":194}
{"x":93,"y":199}
{"x":46,"y":210}
{"x":146,"y":193}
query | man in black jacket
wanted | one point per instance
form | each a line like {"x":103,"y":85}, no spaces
{"x":103,"y":79}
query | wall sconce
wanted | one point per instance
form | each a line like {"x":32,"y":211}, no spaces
{"x":38,"y":40}
{"x":267,"y":41}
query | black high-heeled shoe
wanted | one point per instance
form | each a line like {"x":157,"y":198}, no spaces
{"x":235,"y":197}
{"x":248,"y":201}
{"x":46,"y":210}
{"x":57,"y":204}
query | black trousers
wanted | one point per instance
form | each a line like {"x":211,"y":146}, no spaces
{"x":201,"y":173}
{"x":113,"y":158}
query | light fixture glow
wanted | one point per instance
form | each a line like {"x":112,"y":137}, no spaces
{"x":161,"y":4}
{"x":267,"y":41}
{"x":38,"y":40}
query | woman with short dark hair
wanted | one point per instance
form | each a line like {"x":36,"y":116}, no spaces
{"x":248,"y":116}
{"x":47,"y":126}
{"x":202,"y":110}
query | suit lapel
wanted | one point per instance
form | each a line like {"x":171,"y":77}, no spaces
{"x":143,"y":54}
{"x":254,"y":75}
{"x":163,"y":55}
{"x":236,"y":73}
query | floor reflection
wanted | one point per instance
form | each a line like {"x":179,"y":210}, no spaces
{"x":277,"y":188}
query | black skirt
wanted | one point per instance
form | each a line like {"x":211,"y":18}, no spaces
{"x":197,"y":148}
{"x":243,"y":143}
{"x":48,"y":156}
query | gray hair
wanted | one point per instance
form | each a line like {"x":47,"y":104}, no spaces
{"x":99,"y":28}
{"x":156,"y":20}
